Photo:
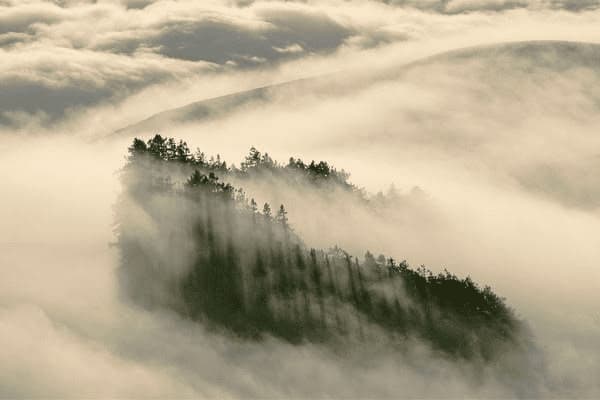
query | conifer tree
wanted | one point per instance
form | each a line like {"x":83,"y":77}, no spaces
{"x":267,"y":210}
{"x":282,"y":216}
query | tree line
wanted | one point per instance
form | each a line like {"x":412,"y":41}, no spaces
{"x":170,"y":150}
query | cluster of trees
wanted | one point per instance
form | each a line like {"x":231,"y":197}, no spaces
{"x":214,"y":257}
{"x":255,"y":163}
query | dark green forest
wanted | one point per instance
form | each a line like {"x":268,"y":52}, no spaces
{"x":192,"y":242}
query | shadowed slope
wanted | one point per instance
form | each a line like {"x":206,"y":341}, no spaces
{"x":201,"y":247}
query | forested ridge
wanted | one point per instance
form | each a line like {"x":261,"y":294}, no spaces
{"x":191,"y":241}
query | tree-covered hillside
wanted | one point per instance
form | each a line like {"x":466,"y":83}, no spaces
{"x":191,"y":241}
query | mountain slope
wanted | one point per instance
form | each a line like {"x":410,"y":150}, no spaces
{"x":205,"y":250}
{"x":511,"y":60}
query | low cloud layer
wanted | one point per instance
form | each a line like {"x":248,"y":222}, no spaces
{"x":504,"y":166}
{"x":63,"y":57}
{"x":500,"y":139}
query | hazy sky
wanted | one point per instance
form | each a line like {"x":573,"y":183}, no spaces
{"x":501,"y":139}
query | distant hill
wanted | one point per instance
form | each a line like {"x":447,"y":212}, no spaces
{"x":522,"y":59}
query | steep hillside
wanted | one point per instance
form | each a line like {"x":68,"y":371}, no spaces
{"x":203,"y":248}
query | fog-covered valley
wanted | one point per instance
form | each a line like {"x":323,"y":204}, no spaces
{"x":475,"y":120}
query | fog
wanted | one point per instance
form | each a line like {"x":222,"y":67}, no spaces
{"x":500,"y":141}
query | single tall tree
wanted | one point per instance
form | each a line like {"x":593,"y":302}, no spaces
{"x":282,"y":216}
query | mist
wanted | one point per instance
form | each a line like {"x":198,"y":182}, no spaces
{"x":481,"y":114}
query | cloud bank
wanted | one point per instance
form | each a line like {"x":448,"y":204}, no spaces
{"x":500,"y":139}
{"x":61,"y":58}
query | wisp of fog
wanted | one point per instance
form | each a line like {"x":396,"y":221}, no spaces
{"x":468,"y":129}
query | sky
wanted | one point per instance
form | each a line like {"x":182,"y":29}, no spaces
{"x":489,"y":107}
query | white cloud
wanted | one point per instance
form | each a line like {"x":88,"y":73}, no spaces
{"x":504,"y":146}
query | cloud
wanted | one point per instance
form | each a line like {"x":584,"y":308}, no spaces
{"x":493,"y":6}
{"x":21,"y":19}
{"x":460,"y":6}
{"x":574,"y":5}
{"x":246,"y":38}
{"x":55,"y":81}
{"x":139,"y":4}
{"x":82,"y":54}
{"x":503,"y":143}
{"x":502,"y":140}
{"x":69,"y":334}
{"x":85,"y":54}
{"x":571,"y":183}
